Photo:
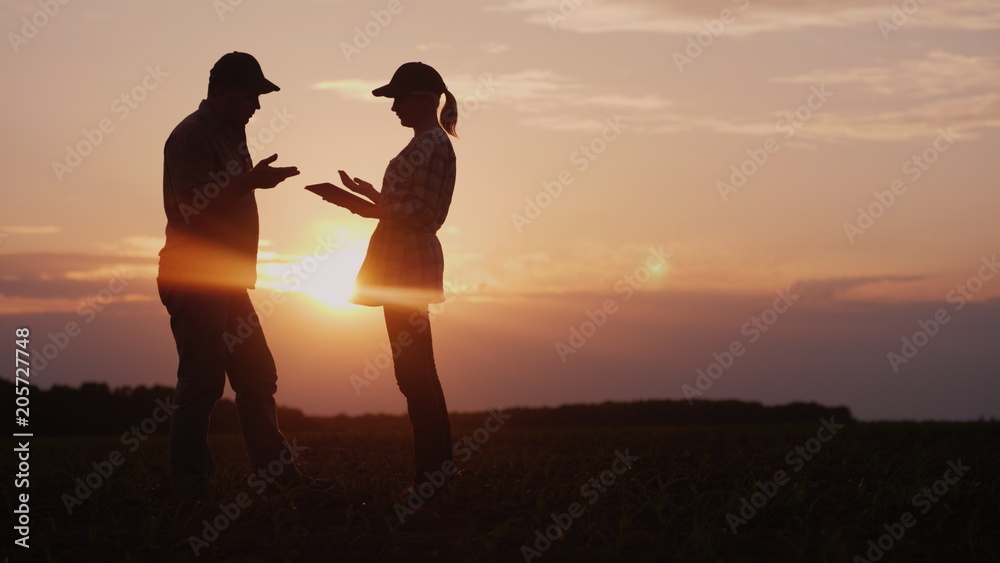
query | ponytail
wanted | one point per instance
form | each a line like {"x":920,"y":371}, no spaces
{"x":449,"y":114}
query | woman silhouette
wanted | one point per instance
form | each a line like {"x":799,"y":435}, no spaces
{"x":403,"y":269}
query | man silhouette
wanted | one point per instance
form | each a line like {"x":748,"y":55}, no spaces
{"x":206,"y":266}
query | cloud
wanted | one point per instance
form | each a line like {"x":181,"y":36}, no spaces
{"x":834,"y":288}
{"x":137,"y":245}
{"x":584,"y":267}
{"x":60,"y":277}
{"x":938,"y":73}
{"x":353,"y":89}
{"x":30,"y":229}
{"x":894,"y":289}
{"x":939,"y":90}
{"x":567,"y":123}
{"x":433,"y":47}
{"x":494,"y":48}
{"x":746,"y":17}
{"x":535,"y":90}
{"x":965,"y":116}
{"x":558,"y":102}
{"x":555,"y":101}
{"x":541,"y":91}
{"x":705,"y":267}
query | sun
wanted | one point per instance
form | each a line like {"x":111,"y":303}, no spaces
{"x":325,"y":275}
{"x":331,"y":280}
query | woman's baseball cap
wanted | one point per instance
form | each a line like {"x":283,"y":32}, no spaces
{"x":410,"y":78}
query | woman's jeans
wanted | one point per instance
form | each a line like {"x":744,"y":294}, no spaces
{"x":409,"y":332}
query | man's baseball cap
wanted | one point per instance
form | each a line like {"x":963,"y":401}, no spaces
{"x":241,"y":69}
{"x":409,"y":78}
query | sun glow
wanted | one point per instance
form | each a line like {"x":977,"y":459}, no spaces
{"x":332,"y":282}
{"x":325,"y":276}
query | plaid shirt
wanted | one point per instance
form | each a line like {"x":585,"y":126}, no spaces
{"x":404,"y":263}
{"x":211,"y":234}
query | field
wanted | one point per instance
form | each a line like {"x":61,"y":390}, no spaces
{"x":924,"y":491}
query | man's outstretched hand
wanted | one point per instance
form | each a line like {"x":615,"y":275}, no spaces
{"x":265,"y":176}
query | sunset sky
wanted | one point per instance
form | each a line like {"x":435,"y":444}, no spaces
{"x":798,"y":197}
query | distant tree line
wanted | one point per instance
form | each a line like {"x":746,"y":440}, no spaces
{"x":97,"y":409}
